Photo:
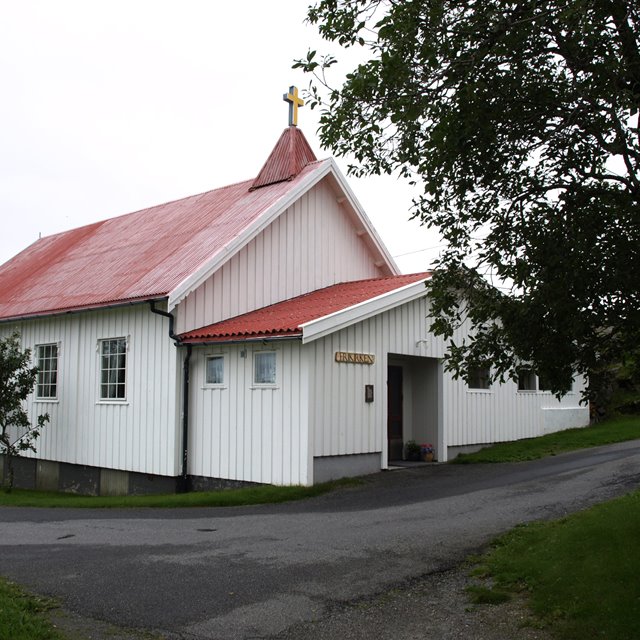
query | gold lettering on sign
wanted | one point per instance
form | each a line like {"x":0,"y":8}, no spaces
{"x":355,"y":358}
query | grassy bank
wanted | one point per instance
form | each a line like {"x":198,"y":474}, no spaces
{"x":263,"y":494}
{"x":582,"y":573}
{"x":22,"y":616}
{"x":616,"y":430}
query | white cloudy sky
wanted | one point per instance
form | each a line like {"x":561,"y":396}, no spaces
{"x":107,"y":107}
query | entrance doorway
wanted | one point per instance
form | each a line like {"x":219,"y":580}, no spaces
{"x":414,"y":404}
{"x":394,"y":415}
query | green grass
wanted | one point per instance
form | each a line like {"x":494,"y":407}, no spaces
{"x":22,"y":616}
{"x":582,"y":573}
{"x":263,"y":494}
{"x":616,"y":430}
{"x":486,"y":595}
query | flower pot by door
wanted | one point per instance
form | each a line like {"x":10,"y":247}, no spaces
{"x":427,"y":457}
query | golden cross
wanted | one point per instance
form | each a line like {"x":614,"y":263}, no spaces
{"x":294,"y":102}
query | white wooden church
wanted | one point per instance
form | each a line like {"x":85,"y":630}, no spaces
{"x":259,"y":332}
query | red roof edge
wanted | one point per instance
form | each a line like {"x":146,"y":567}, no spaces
{"x":284,"y":319}
{"x":288,"y":158}
{"x":194,"y":338}
{"x":102,"y":305}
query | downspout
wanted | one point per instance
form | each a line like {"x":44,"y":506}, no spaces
{"x":184,"y":484}
{"x":185,"y":418}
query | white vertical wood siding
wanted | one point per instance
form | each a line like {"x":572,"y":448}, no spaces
{"x":313,"y":244}
{"x":136,"y":435}
{"x":243,"y":432}
{"x":342,"y":423}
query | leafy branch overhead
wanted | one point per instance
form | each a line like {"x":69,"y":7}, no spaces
{"x":517,"y":122}
{"x":17,"y":379}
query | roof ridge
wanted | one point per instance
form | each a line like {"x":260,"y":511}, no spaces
{"x":391,"y":277}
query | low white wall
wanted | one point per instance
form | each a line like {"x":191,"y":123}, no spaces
{"x":334,"y":467}
{"x":560,"y":418}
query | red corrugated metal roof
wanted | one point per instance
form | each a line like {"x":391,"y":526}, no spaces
{"x":285,"y":318}
{"x":138,"y":256}
{"x":290,"y":155}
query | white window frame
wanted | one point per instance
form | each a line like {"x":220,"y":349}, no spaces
{"x":572,"y":389}
{"x":39,"y":384}
{"x":486,"y":389}
{"x":527,"y":381}
{"x":265,"y":385}
{"x":541,"y":389}
{"x":109,"y":400}
{"x":215,"y":385}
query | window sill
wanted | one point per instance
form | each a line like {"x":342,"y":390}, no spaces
{"x":546,"y":392}
{"x":259,"y":387}
{"x":481,"y":391}
{"x":113,"y":402}
{"x":214,"y":387}
{"x":46,"y":400}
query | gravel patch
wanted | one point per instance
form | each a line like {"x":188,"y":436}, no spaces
{"x":433,"y":606}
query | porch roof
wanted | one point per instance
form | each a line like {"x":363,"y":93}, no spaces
{"x":289,"y":318}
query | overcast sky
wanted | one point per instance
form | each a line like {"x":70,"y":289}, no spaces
{"x":110,"y":107}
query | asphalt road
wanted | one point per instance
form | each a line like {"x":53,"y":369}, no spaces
{"x":253,"y":572}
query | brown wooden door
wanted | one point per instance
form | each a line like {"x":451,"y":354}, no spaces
{"x":394,"y":412}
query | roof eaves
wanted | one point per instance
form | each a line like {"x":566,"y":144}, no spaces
{"x":198,"y":277}
{"x":364,"y":218}
{"x":98,"y":306}
{"x":243,"y":337}
{"x":325,"y":325}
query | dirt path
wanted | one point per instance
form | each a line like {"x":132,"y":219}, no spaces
{"x":435,"y":606}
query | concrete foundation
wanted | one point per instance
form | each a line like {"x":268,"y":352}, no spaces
{"x":48,"y":475}
{"x":327,"y":468}
{"x":113,"y":482}
{"x":202,"y":483}
{"x":454,"y":452}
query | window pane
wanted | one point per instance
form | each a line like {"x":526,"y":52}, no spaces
{"x":479,"y":378}
{"x":113,"y":367}
{"x":526,"y":381}
{"x":215,"y":370}
{"x":47,"y":363}
{"x":264,"y":368}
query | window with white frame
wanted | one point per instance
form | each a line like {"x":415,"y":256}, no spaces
{"x":214,"y":374}
{"x":47,"y":363}
{"x":526,"y":380}
{"x":543,"y":385}
{"x":479,"y":378}
{"x":113,"y":369}
{"x":264,"y":367}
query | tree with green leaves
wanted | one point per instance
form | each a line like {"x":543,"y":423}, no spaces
{"x":17,"y":379}
{"x":517,"y":124}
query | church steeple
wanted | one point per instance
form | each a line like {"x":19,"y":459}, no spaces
{"x":292,"y":152}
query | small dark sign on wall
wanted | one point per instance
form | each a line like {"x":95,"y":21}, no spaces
{"x":368,"y":393}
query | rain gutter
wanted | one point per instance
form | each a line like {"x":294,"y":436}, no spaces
{"x":64,"y":312}
{"x":209,"y":343}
